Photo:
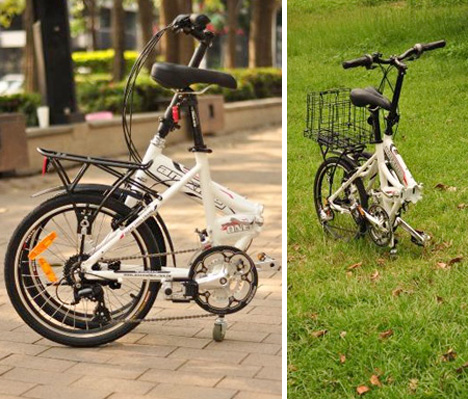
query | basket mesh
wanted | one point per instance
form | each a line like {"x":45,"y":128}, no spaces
{"x":333,"y":121}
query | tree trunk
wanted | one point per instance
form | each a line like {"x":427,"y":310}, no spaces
{"x":261,"y":33}
{"x":186,"y":43}
{"x":91,"y":24}
{"x":170,"y":43}
{"x":230,"y":56}
{"x":146,"y":17}
{"x":118,"y":40}
{"x":29,"y":57}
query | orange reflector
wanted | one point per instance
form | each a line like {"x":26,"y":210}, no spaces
{"x":42,"y":246}
{"x":47,"y":269}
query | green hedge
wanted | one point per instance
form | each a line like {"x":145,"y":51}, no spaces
{"x":101,"y":61}
{"x":24,"y":103}
{"x":97,"y":93}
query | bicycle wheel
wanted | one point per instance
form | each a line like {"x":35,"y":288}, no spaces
{"x":331,"y":174}
{"x":53,"y":309}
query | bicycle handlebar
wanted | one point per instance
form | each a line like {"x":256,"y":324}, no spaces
{"x":416,"y":51}
{"x":191,"y":24}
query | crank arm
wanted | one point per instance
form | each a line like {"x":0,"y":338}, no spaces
{"x":420,"y":238}
{"x":267,"y":263}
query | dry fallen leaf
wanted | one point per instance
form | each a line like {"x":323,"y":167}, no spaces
{"x":442,"y":265}
{"x":397,"y":291}
{"x":457,"y":259}
{"x":450,"y":356}
{"x":445,"y":187}
{"x":462,"y":368}
{"x":292,"y":367}
{"x":381,"y":261}
{"x":362,"y":389}
{"x":374,"y":380}
{"x":343,"y":334}
{"x":413,"y":384}
{"x":439,"y":299}
{"x":462,"y":206}
{"x":386,"y":334}
{"x":374,"y":276}
{"x":319,"y":333}
{"x":342,"y":358}
{"x":313,"y":316}
{"x":354,"y":266}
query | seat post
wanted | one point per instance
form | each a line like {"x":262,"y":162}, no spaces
{"x":194,"y":117}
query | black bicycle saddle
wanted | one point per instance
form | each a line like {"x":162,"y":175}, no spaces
{"x":369,"y":96}
{"x":174,"y":76}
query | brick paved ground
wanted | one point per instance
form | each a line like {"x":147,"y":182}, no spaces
{"x":177,"y":359}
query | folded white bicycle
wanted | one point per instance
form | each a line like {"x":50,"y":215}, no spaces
{"x":85,"y":267}
{"x":355,"y":191}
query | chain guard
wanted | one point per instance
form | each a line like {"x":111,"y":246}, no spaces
{"x":241,"y":276}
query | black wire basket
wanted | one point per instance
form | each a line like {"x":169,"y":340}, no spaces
{"x":334,"y":122}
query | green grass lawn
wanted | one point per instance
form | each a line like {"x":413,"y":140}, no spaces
{"x":425,"y":306}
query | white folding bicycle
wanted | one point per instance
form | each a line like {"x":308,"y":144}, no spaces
{"x":354,"y":191}
{"x":85,"y":267}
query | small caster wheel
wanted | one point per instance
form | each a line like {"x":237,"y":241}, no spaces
{"x":219,"y":330}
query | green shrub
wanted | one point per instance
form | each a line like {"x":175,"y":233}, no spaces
{"x":98,"y":93}
{"x":108,"y":96}
{"x":101,"y":61}
{"x":24,"y":103}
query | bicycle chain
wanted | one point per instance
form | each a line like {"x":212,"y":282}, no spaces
{"x":157,"y":319}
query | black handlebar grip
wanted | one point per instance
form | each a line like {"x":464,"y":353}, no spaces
{"x":361,"y":61}
{"x":199,"y":21}
{"x":433,"y":45}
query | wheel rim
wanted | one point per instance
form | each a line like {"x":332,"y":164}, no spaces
{"x":338,"y":225}
{"x":53,"y":309}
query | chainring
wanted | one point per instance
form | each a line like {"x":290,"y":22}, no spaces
{"x":241,"y":279}
{"x":381,"y":235}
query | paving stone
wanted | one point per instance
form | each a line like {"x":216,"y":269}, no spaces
{"x":107,"y":370}
{"x":259,"y":359}
{"x":114,"y":384}
{"x":246,"y":336}
{"x":147,"y":361}
{"x":26,"y":337}
{"x":222,"y":369}
{"x":51,"y":392}
{"x":180,"y":377}
{"x":253,"y":385}
{"x":270,"y":373}
{"x":256,"y":327}
{"x":245,"y":347}
{"x":209,"y":355}
{"x":130,"y":350}
{"x":256,"y":395}
{"x":173,"y":391}
{"x":37,"y":363}
{"x":40,"y":376}
{"x":174,"y":341}
{"x":11,"y":387}
{"x":20,"y":348}
{"x":273,"y":339}
{"x":4,"y":369}
{"x":76,"y":354}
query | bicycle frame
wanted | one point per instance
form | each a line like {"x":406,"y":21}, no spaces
{"x":195,"y":183}
{"x":397,"y":185}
